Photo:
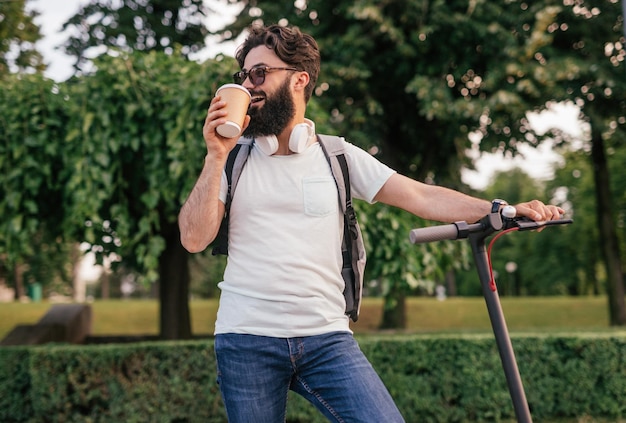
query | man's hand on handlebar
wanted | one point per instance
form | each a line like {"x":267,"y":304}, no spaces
{"x":538,"y":211}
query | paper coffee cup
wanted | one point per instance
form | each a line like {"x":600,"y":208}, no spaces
{"x":237,"y":100}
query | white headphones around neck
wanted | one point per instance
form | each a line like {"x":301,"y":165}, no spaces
{"x":302,"y":135}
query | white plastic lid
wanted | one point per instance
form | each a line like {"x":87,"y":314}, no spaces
{"x":237,"y":86}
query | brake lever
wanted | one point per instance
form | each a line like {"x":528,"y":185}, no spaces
{"x":526,"y":224}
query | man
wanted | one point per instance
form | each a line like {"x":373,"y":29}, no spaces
{"x":281,"y":322}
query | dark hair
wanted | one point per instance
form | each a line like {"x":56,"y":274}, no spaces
{"x":290,"y":45}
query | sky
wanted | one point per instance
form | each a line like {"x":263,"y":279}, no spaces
{"x":53,"y":13}
{"x":538,"y":163}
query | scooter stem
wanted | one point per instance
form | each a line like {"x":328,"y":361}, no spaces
{"x":492,"y":223}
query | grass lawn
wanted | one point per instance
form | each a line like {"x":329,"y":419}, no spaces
{"x":425,"y":315}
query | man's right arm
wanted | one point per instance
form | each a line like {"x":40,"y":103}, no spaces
{"x":200,"y":217}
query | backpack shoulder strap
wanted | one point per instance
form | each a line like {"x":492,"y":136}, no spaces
{"x":234,"y":165}
{"x":353,"y":248}
{"x":334,"y":150}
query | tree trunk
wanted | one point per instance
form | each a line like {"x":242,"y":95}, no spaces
{"x":394,"y":309}
{"x":20,"y":290}
{"x":174,"y":316}
{"x":608,"y":235}
{"x":105,"y":285}
{"x":450,"y":279}
{"x":79,"y":289}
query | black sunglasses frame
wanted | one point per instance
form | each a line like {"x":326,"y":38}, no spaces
{"x":256,"y":75}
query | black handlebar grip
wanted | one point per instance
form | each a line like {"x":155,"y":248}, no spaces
{"x":434,"y":233}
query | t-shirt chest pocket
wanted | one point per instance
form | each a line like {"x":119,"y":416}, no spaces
{"x":320,"y":196}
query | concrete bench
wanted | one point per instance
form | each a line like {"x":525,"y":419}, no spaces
{"x":69,"y":323}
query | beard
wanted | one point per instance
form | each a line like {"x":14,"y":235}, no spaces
{"x":273,"y":117}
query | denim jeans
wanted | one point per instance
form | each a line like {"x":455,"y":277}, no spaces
{"x":330,"y":371}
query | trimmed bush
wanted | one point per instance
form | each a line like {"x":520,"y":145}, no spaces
{"x":15,"y":387}
{"x":432,"y":379}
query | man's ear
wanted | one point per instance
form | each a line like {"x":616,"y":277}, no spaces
{"x":302,"y":80}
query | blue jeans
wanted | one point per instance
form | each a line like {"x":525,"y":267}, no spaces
{"x":255,"y":374}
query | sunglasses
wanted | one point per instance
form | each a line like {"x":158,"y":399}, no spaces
{"x":256,"y":75}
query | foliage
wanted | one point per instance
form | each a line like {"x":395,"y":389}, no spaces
{"x":18,"y":35}
{"x":136,"y":136}
{"x":396,"y":265}
{"x":577,"y":54}
{"x":171,"y":26}
{"x":414,"y":79}
{"x":558,"y":261}
{"x":33,"y":118}
{"x":206,"y":271}
{"x":394,"y":84}
{"x":541,"y":261}
{"x":106,"y":159}
{"x":434,"y":379}
{"x":581,"y":58}
{"x":119,"y":149}
{"x":134,"y":133}
{"x":584,"y":256}
{"x":15,"y":397}
{"x":456,"y":68}
{"x":114,"y":383}
{"x":462,"y":68}
{"x":580,"y":55}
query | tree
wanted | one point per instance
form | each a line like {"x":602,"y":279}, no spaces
{"x":580,"y":57}
{"x":18,"y":35}
{"x":136,"y":149}
{"x":412,"y":80}
{"x":399,"y":268}
{"x":584,"y":259}
{"x":531,"y":263}
{"x":33,"y":118}
{"x":107,"y":159}
{"x":30,"y":250}
{"x":160,"y":25}
{"x":515,"y":186}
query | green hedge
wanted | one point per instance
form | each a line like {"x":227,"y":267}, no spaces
{"x":433,"y":379}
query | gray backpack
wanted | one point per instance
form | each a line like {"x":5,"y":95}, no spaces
{"x":352,"y":246}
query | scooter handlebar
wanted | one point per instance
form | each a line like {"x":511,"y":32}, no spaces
{"x":452,"y":231}
{"x":462,"y":229}
{"x":434,"y":233}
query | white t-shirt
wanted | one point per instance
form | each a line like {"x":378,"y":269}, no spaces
{"x":283,"y":277}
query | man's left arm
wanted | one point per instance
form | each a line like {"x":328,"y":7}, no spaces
{"x":441,"y":204}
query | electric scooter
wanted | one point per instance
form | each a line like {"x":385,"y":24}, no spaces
{"x":477,"y":233}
